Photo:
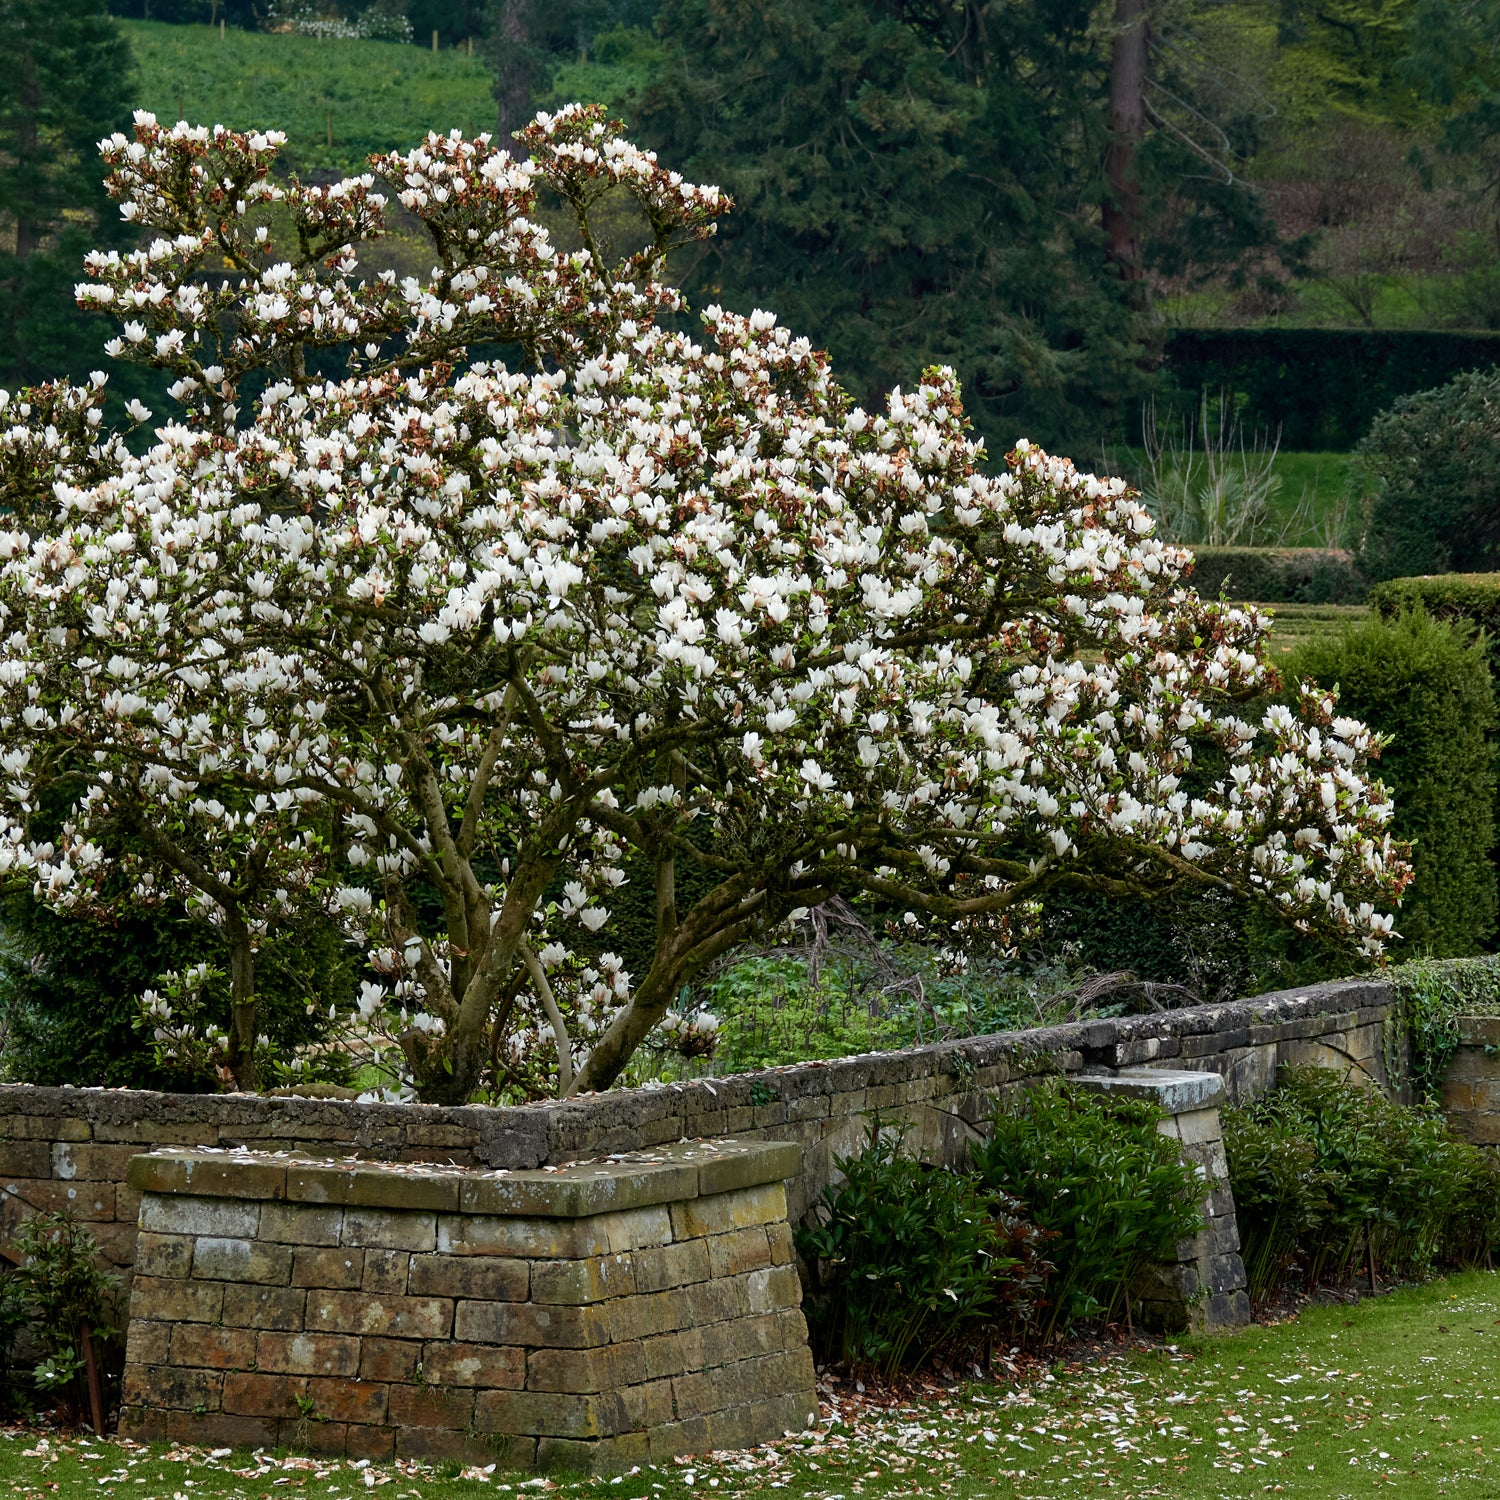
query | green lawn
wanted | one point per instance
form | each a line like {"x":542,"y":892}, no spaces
{"x":382,"y":95}
{"x":1294,"y":623}
{"x":1394,"y":1394}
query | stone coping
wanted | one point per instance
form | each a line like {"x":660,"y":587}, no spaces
{"x":1177,"y":1092}
{"x":670,"y":1174}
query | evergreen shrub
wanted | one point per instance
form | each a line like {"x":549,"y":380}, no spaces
{"x":1461,"y":597}
{"x":908,"y":1258}
{"x":1429,"y":475}
{"x":1427,"y":685}
{"x":1332,"y":1180}
{"x":1115,"y":1194}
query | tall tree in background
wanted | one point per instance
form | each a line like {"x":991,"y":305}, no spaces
{"x":1130,"y":57}
{"x":915,"y":186}
{"x":65,"y":84}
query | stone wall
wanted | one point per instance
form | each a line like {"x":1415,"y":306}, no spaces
{"x":590,"y":1317}
{"x":70,"y":1147}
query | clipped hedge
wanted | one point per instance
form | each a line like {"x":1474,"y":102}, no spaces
{"x":1279,"y":575}
{"x":1429,"y":473}
{"x":1427,"y":685}
{"x":1321,"y":386}
{"x":1469,"y":597}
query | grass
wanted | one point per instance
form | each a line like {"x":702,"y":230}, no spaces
{"x":1294,"y":623}
{"x":1344,"y":1403}
{"x":376,"y":96}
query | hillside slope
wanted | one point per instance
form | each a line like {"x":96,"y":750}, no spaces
{"x":379,"y":95}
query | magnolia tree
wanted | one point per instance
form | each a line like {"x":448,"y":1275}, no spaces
{"x":447,"y":644}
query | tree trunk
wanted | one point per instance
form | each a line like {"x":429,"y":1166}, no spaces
{"x":511,"y":47}
{"x":28,"y":231}
{"x":242,"y":1022}
{"x":1129,"y":62}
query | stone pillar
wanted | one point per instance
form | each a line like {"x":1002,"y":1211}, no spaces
{"x":1471,"y":1087}
{"x":590,"y":1317}
{"x":1205,"y":1287}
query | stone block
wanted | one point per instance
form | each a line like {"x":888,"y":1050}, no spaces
{"x":531,"y":1326}
{"x":334,"y":1269}
{"x":485,"y":1234}
{"x":1175,"y":1091}
{"x":487,"y":1365}
{"x":580,"y":1192}
{"x":374,"y":1185}
{"x":431,"y":1406}
{"x":253,"y":1394}
{"x":492,"y":1279}
{"x":391,"y":1360}
{"x":740,"y":1251}
{"x":26,"y":1159}
{"x":1199,"y":1127}
{"x":636,"y":1229}
{"x":164,"y":1255}
{"x":202,"y":1346}
{"x":375,"y":1443}
{"x":385,"y":1272}
{"x":264,"y":1306}
{"x":389,"y":1229}
{"x":301,"y":1224}
{"x":543,"y":1414}
{"x":586,"y":1371}
{"x":773,"y":1289}
{"x":218,"y":1259}
{"x":396,"y":1317}
{"x":207,"y":1174}
{"x":577,"y":1283}
{"x":149,"y":1343}
{"x":342,"y":1400}
{"x":71,"y":1159}
{"x":438,"y":1443}
{"x":166,"y":1213}
{"x":219,"y":1429}
{"x":171,"y":1386}
{"x":318,"y":1182}
{"x":327,"y":1354}
{"x":665,"y":1266}
{"x":140,"y":1424}
{"x":729,"y":1211}
{"x":312,"y":1434}
{"x":172,"y":1301}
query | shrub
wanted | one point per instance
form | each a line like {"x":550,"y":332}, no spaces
{"x":908,"y":1258}
{"x":1330,"y":1176}
{"x":1461,"y":597}
{"x":1095,"y":1172}
{"x":1427,"y":686}
{"x":71,"y":1305}
{"x":1280,"y":1196}
{"x":1279,"y":575}
{"x":1428,"y":477}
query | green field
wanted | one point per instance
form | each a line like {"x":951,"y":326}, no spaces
{"x":375,"y":96}
{"x":1344,"y":1403}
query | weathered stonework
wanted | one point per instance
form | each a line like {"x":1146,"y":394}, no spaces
{"x":1205,"y":1286}
{"x":1471,"y":1089}
{"x":69,"y":1147}
{"x":593,"y":1316}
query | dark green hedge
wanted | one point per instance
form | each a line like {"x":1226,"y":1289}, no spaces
{"x":1426,"y":685}
{"x":1322,"y":386}
{"x":1279,"y":575}
{"x":1470,"y":597}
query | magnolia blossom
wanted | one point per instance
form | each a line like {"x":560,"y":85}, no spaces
{"x":453,"y":648}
